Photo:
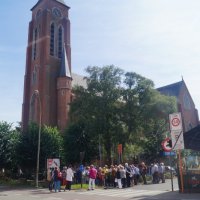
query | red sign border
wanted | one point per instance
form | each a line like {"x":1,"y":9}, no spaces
{"x":163,"y":146}
{"x":176,"y":118}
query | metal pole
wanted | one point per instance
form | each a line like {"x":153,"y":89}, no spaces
{"x":180,"y":171}
{"x":39,"y":134}
{"x":100,"y":162}
{"x":171,"y":175}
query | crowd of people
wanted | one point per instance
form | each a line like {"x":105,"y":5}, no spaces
{"x":114,"y":176}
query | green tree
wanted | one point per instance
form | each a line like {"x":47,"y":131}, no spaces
{"x":9,"y":139}
{"x":145,"y":113}
{"x":156,"y":123}
{"x":136,"y":93}
{"x":79,"y":146}
{"x":98,"y":105}
{"x":121,"y":108}
{"x":51,"y":146}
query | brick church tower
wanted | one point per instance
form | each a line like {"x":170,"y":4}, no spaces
{"x":47,"y":81}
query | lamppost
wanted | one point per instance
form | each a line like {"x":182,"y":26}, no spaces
{"x":36,"y":92}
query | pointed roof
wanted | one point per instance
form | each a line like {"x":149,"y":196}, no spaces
{"x":59,"y":1}
{"x":172,"y":89}
{"x":64,"y":70}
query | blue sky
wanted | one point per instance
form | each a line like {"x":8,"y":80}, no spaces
{"x":157,"y":39}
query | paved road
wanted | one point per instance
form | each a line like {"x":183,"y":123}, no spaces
{"x":140,"y":192}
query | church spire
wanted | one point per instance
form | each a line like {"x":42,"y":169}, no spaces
{"x":61,"y":1}
{"x":64,"y":70}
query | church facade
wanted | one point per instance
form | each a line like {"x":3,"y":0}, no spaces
{"x":48,"y":79}
{"x":185,"y":103}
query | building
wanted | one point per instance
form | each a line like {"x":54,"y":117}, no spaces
{"x":185,"y":104}
{"x":48,"y":79}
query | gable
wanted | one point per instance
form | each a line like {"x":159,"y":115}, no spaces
{"x":172,"y":89}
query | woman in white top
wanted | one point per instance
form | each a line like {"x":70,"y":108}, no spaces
{"x":69,"y":177}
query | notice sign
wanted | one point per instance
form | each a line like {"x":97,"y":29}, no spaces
{"x":175,"y":122}
{"x":176,"y":131}
{"x":177,"y":139}
{"x":51,"y":164}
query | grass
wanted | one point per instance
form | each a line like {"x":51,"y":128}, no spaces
{"x":31,"y":183}
{"x":78,"y":186}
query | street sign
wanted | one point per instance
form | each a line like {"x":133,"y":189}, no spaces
{"x":175,"y":121}
{"x":119,"y":148}
{"x":177,"y":139}
{"x":166,"y":145}
{"x":172,"y":153}
{"x":176,"y":128}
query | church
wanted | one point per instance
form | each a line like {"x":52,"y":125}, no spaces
{"x":48,"y":79}
{"x":48,"y":76}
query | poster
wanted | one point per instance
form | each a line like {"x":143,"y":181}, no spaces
{"x":51,"y":164}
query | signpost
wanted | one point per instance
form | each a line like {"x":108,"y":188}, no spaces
{"x":176,"y":131}
{"x":176,"y":128}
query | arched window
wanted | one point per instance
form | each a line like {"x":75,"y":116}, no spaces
{"x":35,"y":44}
{"x":60,"y":41}
{"x":34,"y":76}
{"x":52,"y":38}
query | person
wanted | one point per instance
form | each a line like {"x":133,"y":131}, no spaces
{"x":154,"y":172}
{"x":118,"y":176}
{"x":69,"y":177}
{"x":86,"y":174}
{"x":55,"y":179}
{"x":99,"y":178}
{"x":51,"y":181}
{"x":123,"y":176}
{"x":59,"y":180}
{"x":128,"y":175}
{"x":113,"y":177}
{"x":79,"y":173}
{"x":106,"y":176}
{"x":92,"y":177}
{"x":161,"y":171}
{"x":64,"y":174}
{"x":143,"y":171}
{"x":136,"y":175}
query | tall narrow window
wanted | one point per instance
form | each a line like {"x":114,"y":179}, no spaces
{"x":34,"y":76}
{"x":52,"y":39}
{"x":60,"y":42}
{"x":35,"y":44}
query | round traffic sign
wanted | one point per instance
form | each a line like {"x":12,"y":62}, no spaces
{"x":166,"y":145}
{"x":175,"y":121}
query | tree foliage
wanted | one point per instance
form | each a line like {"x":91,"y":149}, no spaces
{"x":79,"y":146}
{"x":98,"y":105}
{"x":8,"y":141}
{"x":122,"y":108}
{"x":51,"y":146}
